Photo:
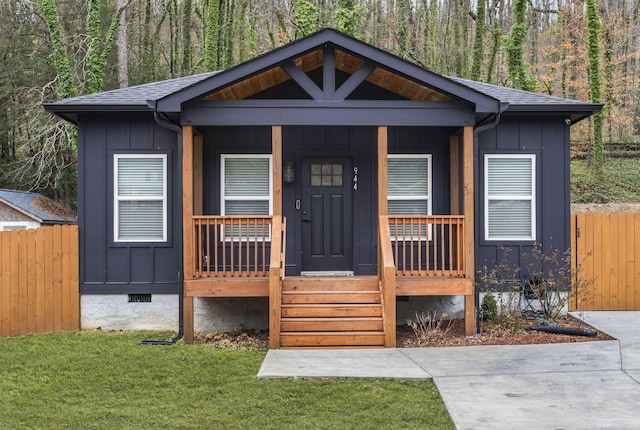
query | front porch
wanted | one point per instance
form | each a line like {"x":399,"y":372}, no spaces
{"x":244,"y":256}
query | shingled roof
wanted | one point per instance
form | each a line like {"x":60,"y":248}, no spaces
{"x":135,"y":96}
{"x":36,"y":206}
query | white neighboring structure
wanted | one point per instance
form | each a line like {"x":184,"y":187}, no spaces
{"x":20,"y":210}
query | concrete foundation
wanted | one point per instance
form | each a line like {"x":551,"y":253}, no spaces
{"x":406,"y":308}
{"x":516,"y":302}
{"x":114,"y":312}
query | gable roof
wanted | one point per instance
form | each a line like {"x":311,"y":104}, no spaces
{"x":36,"y":206}
{"x":318,"y":40}
{"x":168,"y":96}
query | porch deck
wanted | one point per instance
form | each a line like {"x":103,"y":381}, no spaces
{"x":234,"y":257}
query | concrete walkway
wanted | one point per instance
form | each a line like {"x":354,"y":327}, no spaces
{"x":590,"y":385}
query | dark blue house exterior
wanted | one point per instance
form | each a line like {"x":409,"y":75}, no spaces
{"x":327,"y":175}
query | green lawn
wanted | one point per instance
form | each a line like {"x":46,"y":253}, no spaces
{"x":621,"y":184}
{"x":95,"y":380}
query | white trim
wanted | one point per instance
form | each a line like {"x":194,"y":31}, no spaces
{"x":260,"y":198}
{"x":531,"y":198}
{"x":117,"y":199}
{"x":428,"y":197}
{"x":224,"y":198}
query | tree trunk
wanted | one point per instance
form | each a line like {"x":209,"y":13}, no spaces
{"x":212,"y":36}
{"x":187,"y":27}
{"x":478,"y":42}
{"x":123,"y":48}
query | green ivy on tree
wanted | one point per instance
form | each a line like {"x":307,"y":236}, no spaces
{"x":514,"y":44}
{"x":593,"y":50}
{"x":305,"y":19}
{"x":478,"y":42}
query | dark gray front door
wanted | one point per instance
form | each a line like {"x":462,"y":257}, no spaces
{"x":326,"y":211}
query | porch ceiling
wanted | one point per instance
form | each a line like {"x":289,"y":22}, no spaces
{"x":343,"y":61}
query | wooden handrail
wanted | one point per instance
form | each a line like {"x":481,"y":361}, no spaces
{"x":387,"y":277}
{"x":428,"y":245}
{"x":278,"y":243}
{"x":283,"y":246}
{"x":276,"y":275}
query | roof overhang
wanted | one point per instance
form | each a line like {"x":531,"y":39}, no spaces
{"x":573,"y":112}
{"x":70,"y":112}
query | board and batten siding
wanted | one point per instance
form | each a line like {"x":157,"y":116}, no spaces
{"x":548,"y":138}
{"x":107,"y":267}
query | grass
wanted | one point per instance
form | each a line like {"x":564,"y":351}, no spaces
{"x":621,"y":185}
{"x":96,"y":380}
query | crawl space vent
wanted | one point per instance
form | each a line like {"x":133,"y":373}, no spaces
{"x":139,"y":298}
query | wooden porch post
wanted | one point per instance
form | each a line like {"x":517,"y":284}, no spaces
{"x":454,"y":175}
{"x":275,"y":284}
{"x":469,"y":235}
{"x":187,"y":228}
{"x":276,"y":153}
{"x":383,"y":206}
{"x":387,"y":274}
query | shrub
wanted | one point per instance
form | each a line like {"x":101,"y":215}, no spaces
{"x":489,"y":307}
{"x":429,"y":329}
{"x":541,"y":285}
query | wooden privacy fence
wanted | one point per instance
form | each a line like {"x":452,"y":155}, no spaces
{"x":605,"y":248}
{"x":39,"y":280}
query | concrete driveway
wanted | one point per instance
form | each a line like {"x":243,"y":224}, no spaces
{"x":590,"y":385}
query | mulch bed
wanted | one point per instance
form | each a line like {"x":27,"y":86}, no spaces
{"x":238,"y":339}
{"x":498,"y":332}
{"x":449,"y":333}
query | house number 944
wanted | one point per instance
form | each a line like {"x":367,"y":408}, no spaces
{"x":355,"y":178}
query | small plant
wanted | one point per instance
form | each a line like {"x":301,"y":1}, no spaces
{"x":489,"y":307}
{"x":502,"y":280}
{"x":429,"y":329}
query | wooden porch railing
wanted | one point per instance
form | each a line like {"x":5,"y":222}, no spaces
{"x":237,"y":246}
{"x":387,"y":276}
{"x":428,"y":245}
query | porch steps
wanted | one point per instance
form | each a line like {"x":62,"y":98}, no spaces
{"x":332,"y":311}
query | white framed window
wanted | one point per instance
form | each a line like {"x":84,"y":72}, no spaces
{"x":510,"y":196}
{"x":409,"y":179}
{"x":246,"y":187}
{"x":140,"y":197}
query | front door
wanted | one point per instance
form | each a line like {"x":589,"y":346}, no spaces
{"x":326,"y":211}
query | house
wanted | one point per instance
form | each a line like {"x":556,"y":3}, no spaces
{"x":20,"y":210}
{"x":318,"y":189}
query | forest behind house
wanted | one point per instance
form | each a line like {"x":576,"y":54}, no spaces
{"x":583,"y":49}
